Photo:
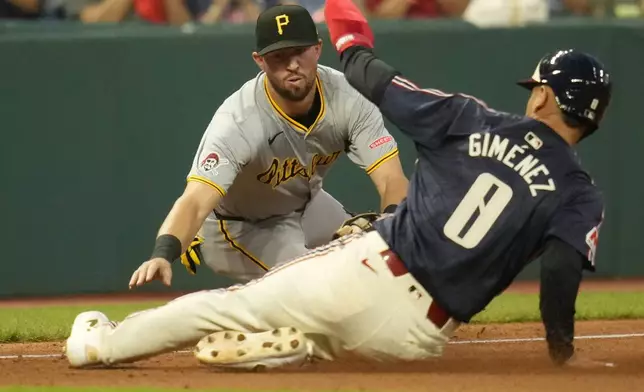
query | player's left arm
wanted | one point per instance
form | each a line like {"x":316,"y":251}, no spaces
{"x":561,"y":273}
{"x":571,"y":246}
{"x":375,"y":150}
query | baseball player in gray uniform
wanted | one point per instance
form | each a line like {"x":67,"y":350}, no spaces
{"x":254,"y":194}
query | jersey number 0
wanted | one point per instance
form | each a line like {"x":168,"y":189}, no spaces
{"x":476,"y":213}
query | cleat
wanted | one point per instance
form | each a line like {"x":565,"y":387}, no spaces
{"x":82,"y":347}
{"x":255,"y":351}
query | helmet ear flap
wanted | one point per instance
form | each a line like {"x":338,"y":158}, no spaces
{"x":584,"y":126}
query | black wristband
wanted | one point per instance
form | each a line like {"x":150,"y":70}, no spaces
{"x":390,"y":209}
{"x":167,"y":247}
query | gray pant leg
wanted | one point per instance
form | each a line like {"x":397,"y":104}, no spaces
{"x":322,"y":217}
{"x":244,"y":251}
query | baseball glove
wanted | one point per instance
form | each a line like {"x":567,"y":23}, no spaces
{"x":356,"y":224}
{"x":192,"y":257}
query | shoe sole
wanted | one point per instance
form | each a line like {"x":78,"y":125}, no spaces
{"x":90,"y":358}
{"x":253,"y":351}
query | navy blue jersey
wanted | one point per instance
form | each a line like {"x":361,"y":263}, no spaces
{"x":489,"y":188}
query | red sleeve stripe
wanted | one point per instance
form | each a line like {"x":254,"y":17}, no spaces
{"x":404,"y":83}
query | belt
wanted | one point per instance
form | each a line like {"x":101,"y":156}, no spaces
{"x":437,"y":315}
{"x":242,"y":219}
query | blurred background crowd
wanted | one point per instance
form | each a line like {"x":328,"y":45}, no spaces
{"x":179,"y":12}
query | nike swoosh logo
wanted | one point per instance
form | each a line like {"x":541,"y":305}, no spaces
{"x":365,"y":262}
{"x":272,"y":139}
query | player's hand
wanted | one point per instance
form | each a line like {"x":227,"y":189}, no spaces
{"x":581,"y":362}
{"x":154,"y":269}
{"x":347,"y":26}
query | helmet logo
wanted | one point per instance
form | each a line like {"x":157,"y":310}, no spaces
{"x":536,"y":76}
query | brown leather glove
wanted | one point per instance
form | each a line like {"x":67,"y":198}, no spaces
{"x":356,"y":224}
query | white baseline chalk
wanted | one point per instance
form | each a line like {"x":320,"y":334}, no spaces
{"x":475,"y":341}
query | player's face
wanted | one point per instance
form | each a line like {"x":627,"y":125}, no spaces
{"x":292,"y":71}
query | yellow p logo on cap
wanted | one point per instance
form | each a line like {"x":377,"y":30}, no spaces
{"x":282,"y":20}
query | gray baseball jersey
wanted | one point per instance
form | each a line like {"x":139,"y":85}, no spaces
{"x":266,"y":164}
{"x":269,"y":169}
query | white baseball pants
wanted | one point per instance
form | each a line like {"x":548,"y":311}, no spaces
{"x":343,"y":296}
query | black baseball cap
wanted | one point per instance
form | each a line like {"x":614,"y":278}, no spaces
{"x":285,"y":26}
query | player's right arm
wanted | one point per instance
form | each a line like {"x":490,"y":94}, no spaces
{"x":189,"y":212}
{"x":221,"y":154}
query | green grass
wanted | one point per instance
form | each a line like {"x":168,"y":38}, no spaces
{"x":514,"y":307}
{"x":54,"y":322}
{"x":38,"y":324}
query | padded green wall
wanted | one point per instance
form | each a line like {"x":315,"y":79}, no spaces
{"x":100,"y":124}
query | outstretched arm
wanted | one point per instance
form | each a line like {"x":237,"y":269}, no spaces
{"x":571,"y":246}
{"x":425,"y":115}
{"x":561,"y":267}
{"x":561,"y":274}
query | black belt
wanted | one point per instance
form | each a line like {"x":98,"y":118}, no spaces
{"x":229,"y":218}
{"x":242,"y":219}
{"x":435,"y":313}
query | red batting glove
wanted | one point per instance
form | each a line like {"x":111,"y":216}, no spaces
{"x":347,"y":26}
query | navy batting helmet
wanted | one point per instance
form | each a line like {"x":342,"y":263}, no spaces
{"x":581,"y":85}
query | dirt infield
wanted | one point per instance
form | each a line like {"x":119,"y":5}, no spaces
{"x":498,"y":367}
{"x":470,"y":363}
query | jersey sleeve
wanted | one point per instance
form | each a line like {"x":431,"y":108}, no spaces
{"x":222,"y":152}
{"x":578,"y":223}
{"x":370,"y":144}
{"x":424,"y":115}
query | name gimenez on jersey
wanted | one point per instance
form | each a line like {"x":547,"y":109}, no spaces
{"x":514,"y":156}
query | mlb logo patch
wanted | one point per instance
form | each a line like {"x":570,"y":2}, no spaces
{"x":533,"y":140}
